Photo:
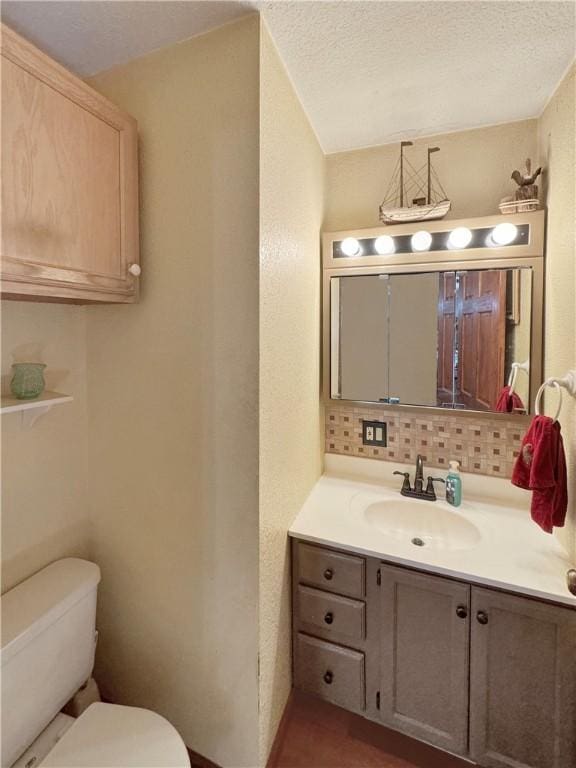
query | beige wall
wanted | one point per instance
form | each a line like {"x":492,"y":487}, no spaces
{"x":291,"y":201}
{"x":159,"y":483}
{"x":557,"y":140}
{"x":173,"y":403}
{"x":44,"y":504}
{"x":474,"y":168}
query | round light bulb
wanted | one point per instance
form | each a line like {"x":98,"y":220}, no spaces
{"x":384,"y":245}
{"x":459,"y":238}
{"x":350,"y":246}
{"x":505,"y":233}
{"x":421,"y":240}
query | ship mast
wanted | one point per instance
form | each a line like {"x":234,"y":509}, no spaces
{"x":402,"y":145}
{"x":428,"y":196}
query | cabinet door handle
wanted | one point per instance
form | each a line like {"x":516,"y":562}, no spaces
{"x":462,"y":612}
{"x":328,"y":677}
{"x":329,"y":617}
{"x":328,"y":573}
{"x":135,"y":270}
{"x":482,"y":617}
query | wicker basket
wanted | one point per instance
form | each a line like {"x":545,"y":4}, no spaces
{"x":519,"y":206}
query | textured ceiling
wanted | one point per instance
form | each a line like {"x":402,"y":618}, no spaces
{"x":367,"y":73}
{"x":370,"y":73}
{"x":89,"y":36}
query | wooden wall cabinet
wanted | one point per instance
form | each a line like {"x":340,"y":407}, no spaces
{"x":484,"y":674}
{"x":69,"y":185}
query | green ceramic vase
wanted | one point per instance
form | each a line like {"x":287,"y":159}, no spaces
{"x":28,"y":380}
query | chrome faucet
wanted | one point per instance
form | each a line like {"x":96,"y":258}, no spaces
{"x":418,"y":491}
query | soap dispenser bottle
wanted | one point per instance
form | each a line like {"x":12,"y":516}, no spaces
{"x":454,"y":485}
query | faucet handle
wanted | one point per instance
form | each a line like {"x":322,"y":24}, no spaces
{"x":406,"y":482}
{"x":430,"y":484}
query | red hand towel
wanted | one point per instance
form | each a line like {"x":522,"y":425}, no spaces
{"x":507,"y":403}
{"x":541,"y":468}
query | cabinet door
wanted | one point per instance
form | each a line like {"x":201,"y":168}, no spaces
{"x":523,"y":682}
{"x":69,"y":184}
{"x":424,"y":657}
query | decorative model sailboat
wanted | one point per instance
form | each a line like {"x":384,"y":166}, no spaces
{"x":428,"y":198}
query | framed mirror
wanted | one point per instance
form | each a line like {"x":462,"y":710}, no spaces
{"x":439,"y":334}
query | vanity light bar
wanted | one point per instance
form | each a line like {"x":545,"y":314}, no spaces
{"x":460,"y":238}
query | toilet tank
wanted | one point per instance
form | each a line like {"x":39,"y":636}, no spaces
{"x":48,"y":645}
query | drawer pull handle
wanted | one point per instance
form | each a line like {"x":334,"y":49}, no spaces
{"x":329,"y":617}
{"x":328,"y":573}
{"x":482,"y":617}
{"x":462,"y":612}
{"x":328,"y":677}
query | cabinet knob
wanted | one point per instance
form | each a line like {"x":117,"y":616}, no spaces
{"x":461,"y":612}
{"x":135,"y":270}
{"x":482,"y":617}
{"x":328,"y":573}
{"x":329,"y":617}
{"x":571,"y":580}
{"x":328,"y":677}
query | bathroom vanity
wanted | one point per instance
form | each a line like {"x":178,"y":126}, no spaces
{"x":465,"y":639}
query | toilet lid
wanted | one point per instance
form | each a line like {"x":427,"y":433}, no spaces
{"x":112,"y":736}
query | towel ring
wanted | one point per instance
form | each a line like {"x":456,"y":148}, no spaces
{"x":512,"y":378}
{"x":515,"y":367}
{"x":539,"y":397}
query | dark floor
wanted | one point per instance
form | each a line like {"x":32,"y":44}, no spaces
{"x":197,"y":761}
{"x":315,"y":734}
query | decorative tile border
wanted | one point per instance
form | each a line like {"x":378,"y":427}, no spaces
{"x":487,"y":447}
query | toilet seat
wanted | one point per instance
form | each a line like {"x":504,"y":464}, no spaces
{"x":113,"y":736}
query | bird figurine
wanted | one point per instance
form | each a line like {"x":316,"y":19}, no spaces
{"x":524,"y":180}
{"x":527,"y":189}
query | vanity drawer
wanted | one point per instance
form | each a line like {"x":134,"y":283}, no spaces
{"x":334,"y":614}
{"x":331,"y":570}
{"x":330,"y":671}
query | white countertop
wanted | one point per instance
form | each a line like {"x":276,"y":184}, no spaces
{"x":512,"y":552}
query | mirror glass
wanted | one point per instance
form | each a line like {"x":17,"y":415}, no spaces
{"x":444,"y":339}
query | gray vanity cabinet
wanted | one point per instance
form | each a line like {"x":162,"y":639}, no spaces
{"x":474,"y":671}
{"x":522,"y":682}
{"x":424,"y":629}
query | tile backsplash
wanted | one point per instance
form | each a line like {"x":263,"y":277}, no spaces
{"x":484,"y":446}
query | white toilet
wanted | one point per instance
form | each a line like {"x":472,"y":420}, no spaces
{"x":48,"y":644}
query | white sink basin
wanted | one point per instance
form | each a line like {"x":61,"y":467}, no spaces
{"x":422,"y":523}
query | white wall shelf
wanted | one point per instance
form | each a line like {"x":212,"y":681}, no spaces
{"x":32,"y":409}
